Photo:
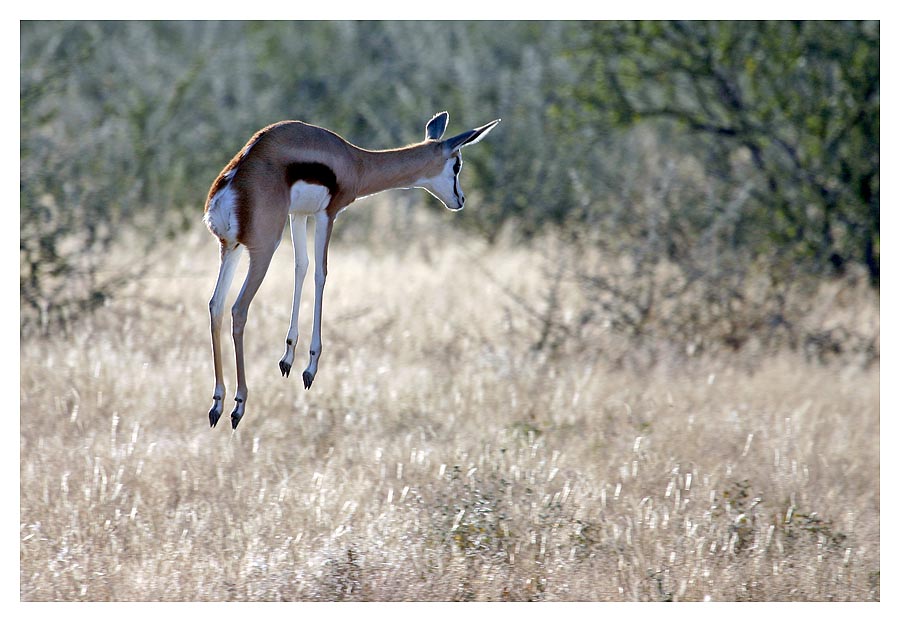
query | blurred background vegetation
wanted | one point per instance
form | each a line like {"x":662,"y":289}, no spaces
{"x":709,"y":173}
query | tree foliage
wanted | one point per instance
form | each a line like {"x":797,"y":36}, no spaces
{"x":793,"y":104}
{"x":125,"y":124}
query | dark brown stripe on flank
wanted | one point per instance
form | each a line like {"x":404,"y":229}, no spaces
{"x":312,"y":173}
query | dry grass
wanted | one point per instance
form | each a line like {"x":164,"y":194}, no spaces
{"x":437,"y":456}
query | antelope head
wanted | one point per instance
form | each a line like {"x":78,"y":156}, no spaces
{"x":444,"y":184}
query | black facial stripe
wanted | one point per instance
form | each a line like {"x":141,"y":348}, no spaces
{"x":456,"y":167}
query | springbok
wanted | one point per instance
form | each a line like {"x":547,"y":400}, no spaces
{"x":292,"y":170}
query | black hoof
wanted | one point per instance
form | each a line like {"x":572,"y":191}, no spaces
{"x":236,"y":414}
{"x":214,"y":415}
{"x":307,"y":380}
{"x":285,"y":368}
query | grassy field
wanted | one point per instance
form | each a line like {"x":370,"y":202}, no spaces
{"x":438,"y":455}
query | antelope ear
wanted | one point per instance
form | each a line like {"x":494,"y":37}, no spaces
{"x":435,"y":128}
{"x":468,"y":138}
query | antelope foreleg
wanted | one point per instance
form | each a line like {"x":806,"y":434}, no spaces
{"x":324,"y":224}
{"x":301,"y":263}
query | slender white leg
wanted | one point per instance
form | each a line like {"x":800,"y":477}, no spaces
{"x":324,"y":224}
{"x":228,"y":261}
{"x":259,"y":264}
{"x":301,"y":263}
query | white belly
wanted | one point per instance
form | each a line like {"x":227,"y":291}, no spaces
{"x":308,"y":198}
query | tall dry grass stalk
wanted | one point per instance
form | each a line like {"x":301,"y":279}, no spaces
{"x":438,"y":457}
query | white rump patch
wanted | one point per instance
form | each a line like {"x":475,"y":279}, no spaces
{"x":309,"y":198}
{"x":221,"y":217}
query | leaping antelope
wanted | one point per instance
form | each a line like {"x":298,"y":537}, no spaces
{"x":295,"y":170}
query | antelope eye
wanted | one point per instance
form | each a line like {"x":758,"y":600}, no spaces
{"x":457,"y":165}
